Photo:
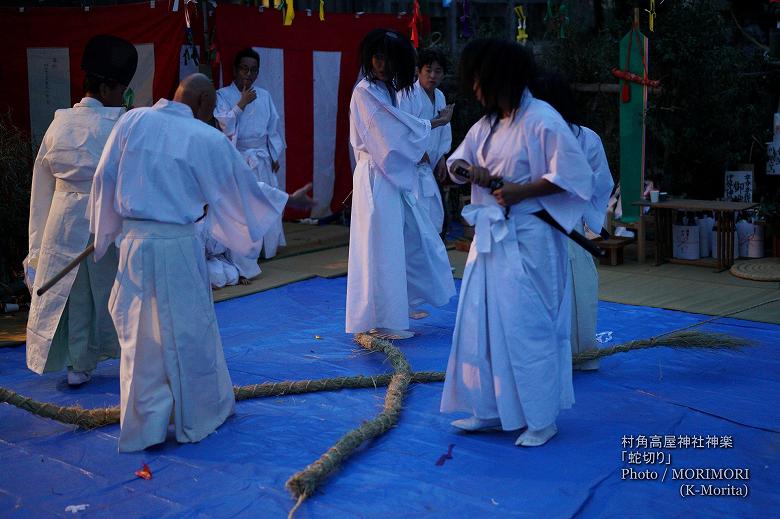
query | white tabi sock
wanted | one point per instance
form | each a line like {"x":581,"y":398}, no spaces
{"x":477,"y":424}
{"x":536,"y":438}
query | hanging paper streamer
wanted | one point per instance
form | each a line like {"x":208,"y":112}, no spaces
{"x":286,"y":6}
{"x":651,"y":19}
{"x":322,"y":10}
{"x":522,"y":35}
{"x":465,"y":25}
{"x":414,"y":24}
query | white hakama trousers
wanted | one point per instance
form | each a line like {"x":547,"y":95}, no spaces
{"x":429,"y":197}
{"x":511,"y":356}
{"x":69,"y":325}
{"x":172,"y":364}
{"x":585,"y":289}
{"x":396,"y":258}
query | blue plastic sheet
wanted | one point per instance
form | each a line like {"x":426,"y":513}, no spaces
{"x":240,"y":470}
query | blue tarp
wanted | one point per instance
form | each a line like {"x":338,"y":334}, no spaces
{"x":730,"y":397}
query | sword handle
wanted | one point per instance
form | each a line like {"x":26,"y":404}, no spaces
{"x":495,"y":183}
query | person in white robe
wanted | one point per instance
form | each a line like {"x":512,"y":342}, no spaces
{"x":554,"y":89}
{"x":425,"y":101}
{"x":69,"y":325}
{"x":160,"y":167}
{"x":248,"y":117}
{"x":222,"y":271}
{"x":396,"y":259}
{"x":510,"y":362}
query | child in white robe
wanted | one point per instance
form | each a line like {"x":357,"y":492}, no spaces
{"x":249,"y":118}
{"x":396,"y":258}
{"x":510,"y":363}
{"x":555,"y":90}
{"x":425,"y":101}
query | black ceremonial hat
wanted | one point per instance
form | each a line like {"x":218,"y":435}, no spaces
{"x":109,"y":57}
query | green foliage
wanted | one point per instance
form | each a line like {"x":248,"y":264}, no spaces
{"x":15,"y":180}
{"x":717,"y":93}
{"x":716,"y":96}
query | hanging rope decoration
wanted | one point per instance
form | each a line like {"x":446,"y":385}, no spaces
{"x":415,"y":23}
{"x":629,"y":77}
{"x":522,"y":35}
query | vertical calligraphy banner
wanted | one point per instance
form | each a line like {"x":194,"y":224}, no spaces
{"x":143,"y":80}
{"x":48,"y":79}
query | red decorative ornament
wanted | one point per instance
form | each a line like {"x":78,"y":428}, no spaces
{"x":634,"y":78}
{"x":416,"y":19}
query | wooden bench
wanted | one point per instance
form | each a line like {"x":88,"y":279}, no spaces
{"x":614,"y":247}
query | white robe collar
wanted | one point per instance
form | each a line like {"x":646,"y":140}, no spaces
{"x":173,"y":108}
{"x":88,"y":102}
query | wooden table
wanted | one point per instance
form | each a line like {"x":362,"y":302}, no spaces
{"x":725,"y":221}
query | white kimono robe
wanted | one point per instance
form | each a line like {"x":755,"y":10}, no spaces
{"x":159,"y":168}
{"x":69,"y":325}
{"x":255,"y":133}
{"x":583,"y":272}
{"x":511,"y":357}
{"x":396,"y":258}
{"x":417,"y":103}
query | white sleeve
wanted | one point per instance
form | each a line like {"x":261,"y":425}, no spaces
{"x":104,"y":221}
{"x":43,"y":182}
{"x":227,"y":115}
{"x":241,"y":210}
{"x":467,"y":151}
{"x":395,"y":139}
{"x":276,"y":143}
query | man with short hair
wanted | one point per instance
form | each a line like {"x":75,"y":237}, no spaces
{"x":69,"y":325}
{"x":160,"y":167}
{"x":249,"y":118}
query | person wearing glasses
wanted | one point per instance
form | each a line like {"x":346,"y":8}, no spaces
{"x":247,"y":115}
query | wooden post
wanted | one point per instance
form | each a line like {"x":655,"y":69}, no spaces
{"x":452,"y":26}
{"x":205,"y":62}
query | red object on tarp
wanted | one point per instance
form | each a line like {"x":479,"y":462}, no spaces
{"x":144,"y":472}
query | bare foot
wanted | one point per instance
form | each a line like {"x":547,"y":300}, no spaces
{"x":244,"y":281}
{"x":418,"y":314}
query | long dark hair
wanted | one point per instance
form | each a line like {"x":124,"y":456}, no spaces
{"x":504,"y":70}
{"x":399,"y":55}
{"x":554,"y":88}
